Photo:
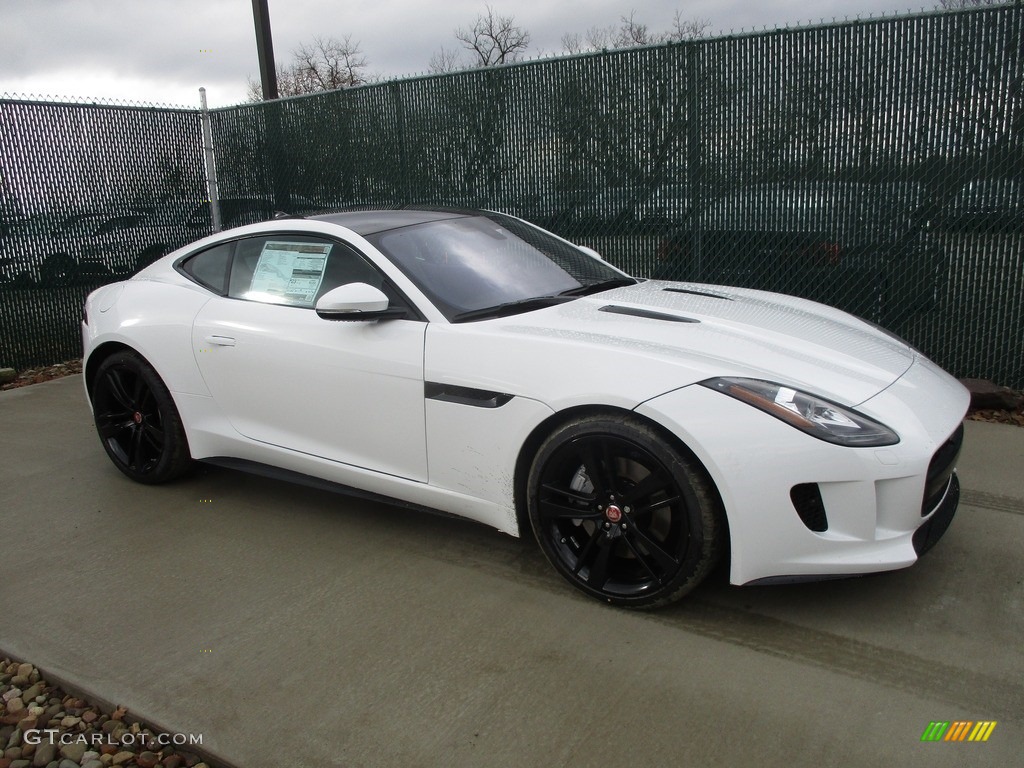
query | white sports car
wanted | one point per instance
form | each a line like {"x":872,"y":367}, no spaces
{"x":472,"y":363}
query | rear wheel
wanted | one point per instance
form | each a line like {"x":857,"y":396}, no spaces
{"x":58,"y":269}
{"x":623,"y":516}
{"x":137,"y":421}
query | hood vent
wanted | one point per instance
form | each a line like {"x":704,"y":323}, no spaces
{"x":647,"y":313}
{"x":693,"y":292}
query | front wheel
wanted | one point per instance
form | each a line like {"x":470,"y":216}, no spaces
{"x":622,"y":515}
{"x":137,"y":421}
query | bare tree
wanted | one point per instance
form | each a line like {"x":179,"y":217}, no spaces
{"x":630,"y":32}
{"x":326,"y":64}
{"x":572,"y":42}
{"x":444,"y":60}
{"x":687,"y":29}
{"x":493,"y":39}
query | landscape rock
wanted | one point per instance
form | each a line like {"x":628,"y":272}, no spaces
{"x":73,"y":751}
{"x":44,"y":754}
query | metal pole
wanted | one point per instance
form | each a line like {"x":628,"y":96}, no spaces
{"x":265,"y":49}
{"x":212,"y":191}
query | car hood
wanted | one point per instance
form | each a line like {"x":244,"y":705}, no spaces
{"x":698,"y":331}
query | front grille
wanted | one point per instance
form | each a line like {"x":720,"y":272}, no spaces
{"x":807,"y":501}
{"x":940,"y":469}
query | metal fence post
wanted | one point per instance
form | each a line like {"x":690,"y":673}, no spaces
{"x":212,"y":192}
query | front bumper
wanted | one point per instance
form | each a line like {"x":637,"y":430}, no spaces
{"x":872,"y":497}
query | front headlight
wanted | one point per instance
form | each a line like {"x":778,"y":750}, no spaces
{"x":809,"y":413}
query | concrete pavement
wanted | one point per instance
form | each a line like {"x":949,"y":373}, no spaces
{"x":294,"y":627}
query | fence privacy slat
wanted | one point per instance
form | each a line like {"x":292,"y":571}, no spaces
{"x":875,"y":165}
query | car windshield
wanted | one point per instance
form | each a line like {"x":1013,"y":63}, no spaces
{"x":474,"y":267}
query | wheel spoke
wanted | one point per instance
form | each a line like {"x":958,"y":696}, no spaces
{"x":582,"y":559}
{"x":664,"y":560}
{"x":641,"y":558}
{"x":111,"y":424}
{"x":611,"y":478}
{"x":117,"y":389}
{"x":569,"y":494}
{"x":139,"y":393}
{"x":135,"y":450}
{"x":660,"y":503}
{"x":145,"y":398}
{"x":551,"y":510}
{"x":654,"y":482}
{"x":154,"y":436}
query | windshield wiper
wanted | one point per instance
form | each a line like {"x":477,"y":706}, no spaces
{"x":604,"y":285}
{"x":510,"y":308}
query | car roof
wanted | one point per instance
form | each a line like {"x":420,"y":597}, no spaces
{"x":372,"y":222}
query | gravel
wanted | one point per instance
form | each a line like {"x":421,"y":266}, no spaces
{"x":42,"y":726}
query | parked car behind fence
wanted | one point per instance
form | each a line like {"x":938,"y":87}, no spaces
{"x":865,"y":248}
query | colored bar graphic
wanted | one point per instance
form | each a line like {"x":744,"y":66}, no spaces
{"x":958,"y":730}
{"x":982,"y":731}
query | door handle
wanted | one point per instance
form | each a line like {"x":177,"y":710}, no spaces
{"x":221,"y":341}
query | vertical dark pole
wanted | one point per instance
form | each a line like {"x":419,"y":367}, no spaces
{"x":265,"y":49}
{"x":268,"y":77}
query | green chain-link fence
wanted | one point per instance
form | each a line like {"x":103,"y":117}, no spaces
{"x":874,"y":165}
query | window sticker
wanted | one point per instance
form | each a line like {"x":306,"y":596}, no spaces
{"x":289,"y":273}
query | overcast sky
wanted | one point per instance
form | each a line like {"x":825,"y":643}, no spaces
{"x":162,"y":51}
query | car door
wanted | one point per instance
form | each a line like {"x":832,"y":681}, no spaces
{"x":347,"y":391}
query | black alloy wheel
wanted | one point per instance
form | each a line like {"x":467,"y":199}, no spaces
{"x":137,"y":421}
{"x":622,"y":515}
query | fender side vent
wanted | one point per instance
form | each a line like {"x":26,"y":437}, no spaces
{"x":647,"y":313}
{"x":450,"y":393}
{"x":808,"y":504}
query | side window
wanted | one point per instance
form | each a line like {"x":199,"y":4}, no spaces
{"x":210,"y":267}
{"x":295,"y":270}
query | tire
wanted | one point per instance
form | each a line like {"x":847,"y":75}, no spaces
{"x":58,"y":269}
{"x":645,"y":533}
{"x":137,"y":421}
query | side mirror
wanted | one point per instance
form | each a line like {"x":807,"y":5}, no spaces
{"x":356,"y":301}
